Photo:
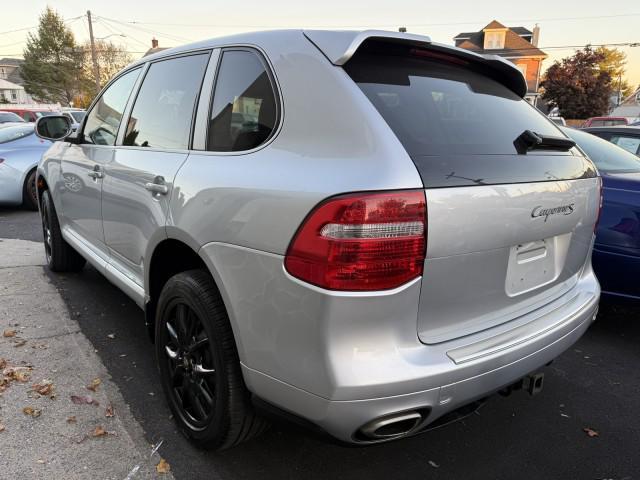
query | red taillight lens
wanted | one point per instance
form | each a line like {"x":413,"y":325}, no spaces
{"x":368,"y":241}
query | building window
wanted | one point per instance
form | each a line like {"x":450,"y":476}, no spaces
{"x":494,"y":40}
{"x":14,"y":95}
{"x":3,"y":73}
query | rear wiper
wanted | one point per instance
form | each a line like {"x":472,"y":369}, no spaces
{"x":529,"y":140}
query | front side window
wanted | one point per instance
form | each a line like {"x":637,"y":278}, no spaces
{"x":163,"y":111}
{"x":104,"y":119}
{"x":244,"y":112}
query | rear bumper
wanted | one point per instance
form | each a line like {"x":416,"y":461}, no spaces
{"x":343,"y":360}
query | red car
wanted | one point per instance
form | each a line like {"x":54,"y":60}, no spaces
{"x":29,"y":115}
{"x":604,"y":122}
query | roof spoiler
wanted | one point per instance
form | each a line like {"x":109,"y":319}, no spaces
{"x":340,"y":46}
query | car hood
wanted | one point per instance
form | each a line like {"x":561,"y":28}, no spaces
{"x":621,"y":181}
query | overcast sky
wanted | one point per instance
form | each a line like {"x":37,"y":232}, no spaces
{"x":562,"y":23}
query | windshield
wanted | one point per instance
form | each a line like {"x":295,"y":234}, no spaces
{"x":9,"y":134}
{"x":609,"y":158}
{"x":10,"y":117}
{"x":78,"y":116}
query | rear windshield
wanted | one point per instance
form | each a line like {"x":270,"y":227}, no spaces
{"x":606,"y":123}
{"x":609,"y":158}
{"x":445,"y":111}
{"x":9,"y":134}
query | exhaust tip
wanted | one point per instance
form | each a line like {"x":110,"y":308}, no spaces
{"x":390,"y":426}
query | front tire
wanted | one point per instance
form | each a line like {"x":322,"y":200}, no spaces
{"x":61,"y":257}
{"x":30,"y":192}
{"x":199,"y":364}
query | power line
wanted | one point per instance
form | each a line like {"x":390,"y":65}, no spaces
{"x":36,"y":26}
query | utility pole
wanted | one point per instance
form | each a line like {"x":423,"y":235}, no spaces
{"x":94,"y":56}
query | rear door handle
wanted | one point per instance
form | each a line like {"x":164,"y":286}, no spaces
{"x":95,"y":173}
{"x":157,"y":186}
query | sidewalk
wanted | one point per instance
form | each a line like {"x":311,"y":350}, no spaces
{"x":44,"y":361}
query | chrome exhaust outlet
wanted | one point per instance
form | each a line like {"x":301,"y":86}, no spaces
{"x":390,"y":426}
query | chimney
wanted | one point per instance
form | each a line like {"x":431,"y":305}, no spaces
{"x":536,"y":35}
{"x":154,"y":43}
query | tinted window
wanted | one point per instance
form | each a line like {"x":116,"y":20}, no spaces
{"x":163,"y":111}
{"x":606,"y":156}
{"x":436,"y":107}
{"x":9,"y":117}
{"x":78,"y":116}
{"x":104,"y":119}
{"x":9,"y":134}
{"x":630,"y":144}
{"x":244,"y":111}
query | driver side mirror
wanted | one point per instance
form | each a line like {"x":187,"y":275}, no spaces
{"x":53,"y":127}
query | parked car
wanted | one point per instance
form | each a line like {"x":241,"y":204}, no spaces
{"x":29,"y":115}
{"x":10,"y":117}
{"x":75,"y":115}
{"x":604,"y":122}
{"x":616,"y":253}
{"x":558,"y":120}
{"x":625,"y":137}
{"x":20,"y":152}
{"x":289,"y":265}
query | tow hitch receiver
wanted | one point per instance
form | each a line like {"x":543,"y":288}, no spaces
{"x":533,"y":383}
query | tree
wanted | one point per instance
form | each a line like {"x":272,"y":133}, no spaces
{"x":52,"y":66}
{"x":614,"y":62}
{"x":577,"y":85}
{"x":111,"y":59}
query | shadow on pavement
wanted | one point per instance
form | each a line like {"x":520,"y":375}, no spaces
{"x":595,"y":384}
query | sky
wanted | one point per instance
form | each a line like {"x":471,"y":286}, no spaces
{"x":563,"y":24}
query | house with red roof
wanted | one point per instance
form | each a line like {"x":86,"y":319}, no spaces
{"x":516,"y":44}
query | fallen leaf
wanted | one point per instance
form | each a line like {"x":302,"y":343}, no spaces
{"x":84,"y":400}
{"x":163,"y":466}
{"x":95,"y":383}
{"x":40,"y":461}
{"x":98,"y":432}
{"x":109,"y":412}
{"x":72,"y":419}
{"x":3,"y":363}
{"x":33,"y":412}
{"x":19,"y":342}
{"x":9,"y":333}
{"x":45,"y":387}
{"x":589,"y":431}
{"x":1,"y":427}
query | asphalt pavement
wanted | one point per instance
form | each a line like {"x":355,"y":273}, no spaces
{"x":594,"y":385}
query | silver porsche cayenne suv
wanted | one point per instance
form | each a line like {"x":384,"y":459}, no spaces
{"x":367,"y":231}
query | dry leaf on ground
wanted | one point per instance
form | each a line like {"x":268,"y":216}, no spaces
{"x":9,"y":333}
{"x":98,"y":432}
{"x":1,"y":427}
{"x":3,"y":363}
{"x":45,"y":387}
{"x":84,"y":400}
{"x":589,"y":431}
{"x":32,"y":412}
{"x":95,"y":383}
{"x":72,"y":419}
{"x":109,"y":412}
{"x":19,"y":342}
{"x":163,"y":466}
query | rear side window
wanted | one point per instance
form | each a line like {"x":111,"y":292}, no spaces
{"x":101,"y":127}
{"x":163,"y":112}
{"x":436,"y":107}
{"x":244,"y":111}
{"x":630,"y":144}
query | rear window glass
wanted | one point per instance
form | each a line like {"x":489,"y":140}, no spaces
{"x":9,"y":134}
{"x":436,"y":107}
{"x":607,"y":157}
{"x":606,"y":123}
{"x":630,"y":144}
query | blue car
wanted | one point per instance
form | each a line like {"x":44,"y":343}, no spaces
{"x":616,"y":254}
{"x":20,"y":152}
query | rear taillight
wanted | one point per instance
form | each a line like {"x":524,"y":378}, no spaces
{"x":601,"y":200}
{"x":363,"y":241}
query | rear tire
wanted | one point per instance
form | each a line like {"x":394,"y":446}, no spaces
{"x":61,"y":257}
{"x":30,"y":192}
{"x":199,"y":364}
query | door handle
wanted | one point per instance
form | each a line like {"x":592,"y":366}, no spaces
{"x":95,"y":174}
{"x":157,"y":186}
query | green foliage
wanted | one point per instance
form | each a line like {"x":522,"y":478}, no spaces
{"x":578,"y":86}
{"x":52,"y":66}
